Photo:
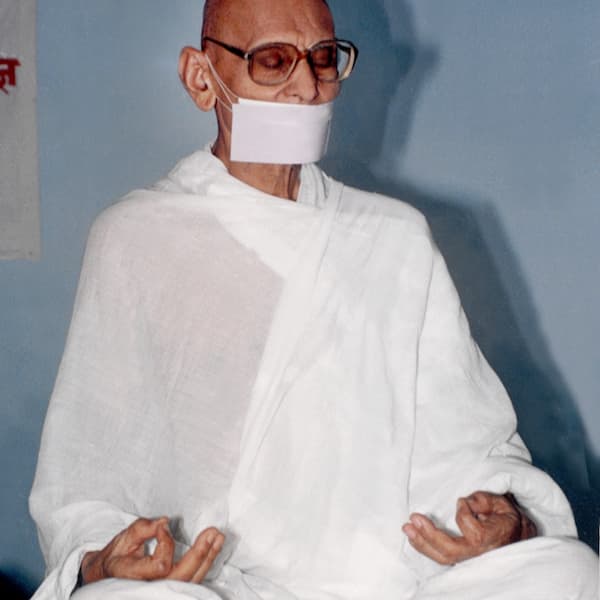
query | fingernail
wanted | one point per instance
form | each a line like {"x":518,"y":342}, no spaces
{"x":416,"y":521}
{"x":410,"y":533}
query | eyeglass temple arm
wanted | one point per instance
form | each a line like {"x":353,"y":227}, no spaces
{"x":237,"y":51}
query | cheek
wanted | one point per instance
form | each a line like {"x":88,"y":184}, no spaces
{"x":328,"y":91}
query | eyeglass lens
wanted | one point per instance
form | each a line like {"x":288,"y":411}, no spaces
{"x":273,"y":64}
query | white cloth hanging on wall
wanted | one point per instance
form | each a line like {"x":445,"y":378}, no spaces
{"x":19,"y":196}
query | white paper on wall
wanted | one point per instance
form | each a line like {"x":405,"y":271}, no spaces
{"x":19,"y":196}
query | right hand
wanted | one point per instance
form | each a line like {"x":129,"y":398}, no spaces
{"x":124,"y":556}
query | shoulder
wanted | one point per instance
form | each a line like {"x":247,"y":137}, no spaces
{"x":125,"y":216}
{"x":176,"y":198}
{"x":359,"y":205}
{"x":170,"y":195}
{"x":393,"y":208}
{"x":145,"y":225}
{"x":115,"y":235}
{"x":387,"y":237}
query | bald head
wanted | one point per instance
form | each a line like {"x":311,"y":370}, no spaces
{"x":221,"y":16}
{"x":212,"y":16}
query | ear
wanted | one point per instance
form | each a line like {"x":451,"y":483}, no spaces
{"x":195,"y":75}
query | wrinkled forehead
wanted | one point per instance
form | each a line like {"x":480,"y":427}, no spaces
{"x":248,"y":23}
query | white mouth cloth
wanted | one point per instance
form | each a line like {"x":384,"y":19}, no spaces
{"x":279,"y":133}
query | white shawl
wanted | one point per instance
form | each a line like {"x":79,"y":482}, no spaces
{"x":298,"y":374}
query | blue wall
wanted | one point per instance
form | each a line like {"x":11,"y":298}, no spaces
{"x":483,"y":114}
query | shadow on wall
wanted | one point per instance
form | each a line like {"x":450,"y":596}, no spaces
{"x":393,"y":67}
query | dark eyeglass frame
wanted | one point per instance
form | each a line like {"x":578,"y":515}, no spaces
{"x":300,"y":54}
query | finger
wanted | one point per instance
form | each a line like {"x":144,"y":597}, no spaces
{"x":165,"y":546}
{"x":481,"y":503}
{"x":426,"y":538}
{"x":489,"y":531}
{"x":126,"y":558}
{"x":424,"y":547}
{"x":468,"y":522}
{"x":198,"y":559}
{"x":528,"y":527}
{"x":214,"y":551}
{"x":505,"y":504}
{"x":139,"y":532}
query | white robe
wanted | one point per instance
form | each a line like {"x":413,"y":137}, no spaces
{"x":299,"y":374}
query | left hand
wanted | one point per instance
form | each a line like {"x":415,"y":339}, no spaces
{"x":486,"y":521}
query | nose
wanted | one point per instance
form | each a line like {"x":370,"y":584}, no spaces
{"x":303,"y":86}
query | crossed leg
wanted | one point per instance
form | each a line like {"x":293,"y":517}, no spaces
{"x":542,"y":568}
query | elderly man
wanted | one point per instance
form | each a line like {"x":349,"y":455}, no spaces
{"x":269,"y":389}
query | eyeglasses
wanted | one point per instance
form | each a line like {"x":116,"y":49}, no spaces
{"x":273,"y":63}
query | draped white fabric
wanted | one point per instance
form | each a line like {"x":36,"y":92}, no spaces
{"x":300,"y":375}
